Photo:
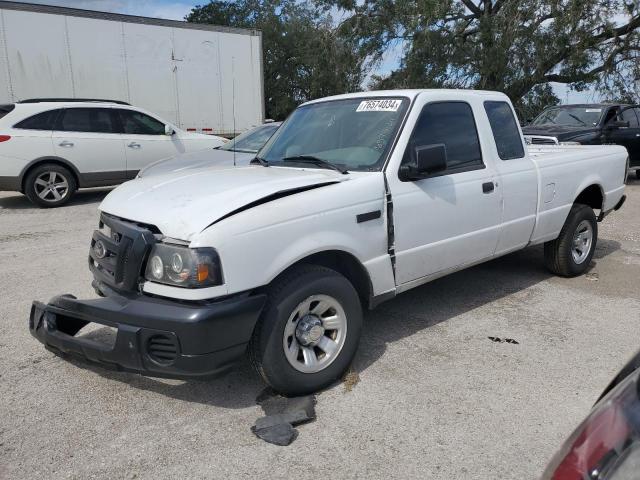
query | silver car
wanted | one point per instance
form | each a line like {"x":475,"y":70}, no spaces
{"x":239,"y":151}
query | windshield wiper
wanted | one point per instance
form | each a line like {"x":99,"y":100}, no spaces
{"x":259,"y":161}
{"x":577,"y":118}
{"x":314,"y":160}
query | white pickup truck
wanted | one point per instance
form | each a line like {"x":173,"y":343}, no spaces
{"x":355,"y":199}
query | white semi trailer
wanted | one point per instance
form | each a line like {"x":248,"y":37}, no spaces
{"x":204,"y":78}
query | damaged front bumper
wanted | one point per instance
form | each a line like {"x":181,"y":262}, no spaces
{"x":155,"y":337}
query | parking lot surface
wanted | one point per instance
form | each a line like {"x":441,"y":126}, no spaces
{"x":430,"y":395}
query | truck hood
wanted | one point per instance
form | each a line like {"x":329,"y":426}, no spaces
{"x":193,"y":160}
{"x":561,"y":132}
{"x":182,"y":204}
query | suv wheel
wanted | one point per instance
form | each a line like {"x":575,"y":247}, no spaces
{"x":309,"y":331}
{"x":570,"y":254}
{"x":50,"y":185}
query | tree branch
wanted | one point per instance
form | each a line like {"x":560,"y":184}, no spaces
{"x":535,"y":25}
{"x":622,"y":30}
{"x":473,"y":8}
{"x":610,"y":61}
{"x":497,"y":6}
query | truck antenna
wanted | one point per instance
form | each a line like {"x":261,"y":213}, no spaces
{"x":233,"y":106}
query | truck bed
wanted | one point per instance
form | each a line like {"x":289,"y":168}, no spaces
{"x":602,"y":165}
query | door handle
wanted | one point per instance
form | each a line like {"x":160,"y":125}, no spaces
{"x":134,"y":145}
{"x":66,"y":144}
{"x":488,"y":187}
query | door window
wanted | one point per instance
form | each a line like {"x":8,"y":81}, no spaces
{"x":90,"y":120}
{"x":137,"y":123}
{"x":629,"y":115}
{"x":453,"y":125}
{"x":505,"y":130}
{"x":4,"y":109}
{"x":41,"y":121}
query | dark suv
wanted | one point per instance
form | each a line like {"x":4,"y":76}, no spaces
{"x":596,"y":124}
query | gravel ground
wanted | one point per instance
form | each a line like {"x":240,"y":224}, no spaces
{"x":430,"y":395}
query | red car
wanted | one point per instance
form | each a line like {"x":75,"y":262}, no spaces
{"x":606,"y":445}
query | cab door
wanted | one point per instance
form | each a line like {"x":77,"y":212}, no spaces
{"x":628,"y":137}
{"x":145,"y":140}
{"x":518,"y":178}
{"x":453,"y":217}
{"x":89,"y":139}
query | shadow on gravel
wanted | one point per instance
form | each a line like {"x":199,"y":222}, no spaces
{"x":407,"y":314}
{"x":235,"y":390}
{"x":454,"y":295}
{"x":82,"y":197}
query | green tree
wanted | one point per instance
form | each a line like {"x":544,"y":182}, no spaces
{"x":303,"y":57}
{"x":515,"y":46}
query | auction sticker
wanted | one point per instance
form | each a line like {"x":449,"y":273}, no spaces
{"x":384,"y":105}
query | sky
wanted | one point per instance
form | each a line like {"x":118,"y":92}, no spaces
{"x":168,"y":9}
{"x":178,"y":9}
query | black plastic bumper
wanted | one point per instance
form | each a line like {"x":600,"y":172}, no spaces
{"x":618,"y":206}
{"x":155,"y":337}
{"x":10,"y":184}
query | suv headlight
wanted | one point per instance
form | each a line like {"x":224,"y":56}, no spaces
{"x":183,"y":267}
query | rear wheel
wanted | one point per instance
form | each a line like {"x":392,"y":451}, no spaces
{"x":309,"y":331}
{"x":49,"y":185}
{"x":570,"y":254}
{"x":638,"y":173}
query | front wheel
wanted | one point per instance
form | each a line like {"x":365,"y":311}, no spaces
{"x":49,"y":185}
{"x":570,"y":254}
{"x":309,"y":331}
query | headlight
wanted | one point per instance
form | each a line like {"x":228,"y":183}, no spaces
{"x":183,"y":267}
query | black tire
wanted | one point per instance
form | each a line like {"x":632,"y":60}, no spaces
{"x":266,"y":349}
{"x":558,"y":253}
{"x":638,"y":173}
{"x":46,"y":197}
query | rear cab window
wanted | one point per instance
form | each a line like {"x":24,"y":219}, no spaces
{"x":505,"y":130}
{"x":453,"y":125}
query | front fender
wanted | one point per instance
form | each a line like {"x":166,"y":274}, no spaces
{"x":258,"y":244}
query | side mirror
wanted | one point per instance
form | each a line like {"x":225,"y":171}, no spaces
{"x":429,"y":159}
{"x":617,"y":124}
{"x":168,"y":130}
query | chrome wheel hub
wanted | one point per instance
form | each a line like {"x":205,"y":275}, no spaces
{"x":314,"y":334}
{"x":582,"y":242}
{"x":309,"y":330}
{"x":51,"y":186}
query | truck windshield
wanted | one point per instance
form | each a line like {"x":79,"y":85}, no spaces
{"x":352,"y":134}
{"x":570,"y":116}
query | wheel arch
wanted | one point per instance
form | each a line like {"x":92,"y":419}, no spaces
{"x":344,"y":263}
{"x":592,"y":196}
{"x":54,"y":160}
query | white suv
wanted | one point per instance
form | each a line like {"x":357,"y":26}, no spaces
{"x":49,"y":148}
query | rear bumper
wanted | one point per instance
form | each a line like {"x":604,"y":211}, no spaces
{"x":617,"y":207}
{"x":155,"y":337}
{"x":10,"y":184}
